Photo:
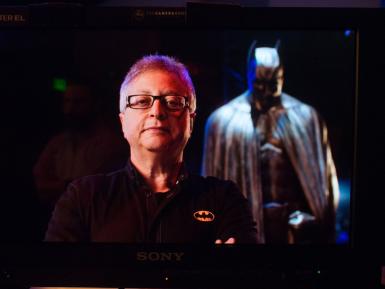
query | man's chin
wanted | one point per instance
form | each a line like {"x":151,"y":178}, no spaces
{"x":166,"y":146}
{"x":158,"y":148}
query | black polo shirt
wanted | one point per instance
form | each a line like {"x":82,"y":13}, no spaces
{"x":119,"y":207}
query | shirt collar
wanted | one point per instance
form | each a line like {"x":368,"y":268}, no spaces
{"x":139,"y":181}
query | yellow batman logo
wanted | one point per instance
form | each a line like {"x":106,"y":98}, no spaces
{"x":204,"y":216}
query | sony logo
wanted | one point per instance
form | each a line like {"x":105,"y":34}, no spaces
{"x":159,"y":256}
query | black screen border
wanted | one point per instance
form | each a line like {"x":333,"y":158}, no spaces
{"x":111,"y":265}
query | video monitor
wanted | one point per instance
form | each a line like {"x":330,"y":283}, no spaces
{"x":278,"y":183}
{"x":274,"y":114}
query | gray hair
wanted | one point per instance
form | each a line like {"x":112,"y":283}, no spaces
{"x":158,"y":62}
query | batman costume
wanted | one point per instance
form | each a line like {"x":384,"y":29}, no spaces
{"x":276,"y":149}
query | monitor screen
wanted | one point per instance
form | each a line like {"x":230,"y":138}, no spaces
{"x":274,"y":114}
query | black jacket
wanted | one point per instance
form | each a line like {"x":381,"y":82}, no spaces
{"x":119,"y":207}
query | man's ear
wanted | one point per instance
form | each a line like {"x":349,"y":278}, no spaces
{"x":192,"y":118}
{"x":121,"y":118}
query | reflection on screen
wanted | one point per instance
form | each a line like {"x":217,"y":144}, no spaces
{"x":268,"y":118}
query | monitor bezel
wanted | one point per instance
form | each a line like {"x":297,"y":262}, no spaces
{"x":56,"y":264}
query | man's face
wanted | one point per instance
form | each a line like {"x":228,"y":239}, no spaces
{"x":157,"y":129}
{"x":268,"y":82}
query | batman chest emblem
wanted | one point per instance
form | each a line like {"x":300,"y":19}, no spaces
{"x":204,"y":216}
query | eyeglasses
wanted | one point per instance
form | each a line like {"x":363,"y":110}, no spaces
{"x":143,"y":101}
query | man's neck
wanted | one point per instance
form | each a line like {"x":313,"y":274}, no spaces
{"x":159,"y":172}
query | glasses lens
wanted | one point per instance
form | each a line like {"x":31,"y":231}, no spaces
{"x":140,"y":101}
{"x":175,"y":102}
{"x":172,"y":102}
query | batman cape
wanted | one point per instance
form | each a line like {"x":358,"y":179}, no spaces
{"x":232,"y":149}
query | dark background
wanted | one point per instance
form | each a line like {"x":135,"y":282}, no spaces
{"x":319,"y":69}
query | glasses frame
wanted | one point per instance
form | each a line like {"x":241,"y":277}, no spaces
{"x":161,"y":98}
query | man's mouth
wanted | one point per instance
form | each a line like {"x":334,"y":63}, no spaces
{"x":156,"y":128}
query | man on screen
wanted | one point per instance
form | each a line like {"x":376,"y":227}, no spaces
{"x":276,"y":149}
{"x":87,"y":145}
{"x":154,"y":198}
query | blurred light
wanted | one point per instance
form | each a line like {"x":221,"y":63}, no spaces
{"x":342,"y":238}
{"x":59,"y":84}
{"x":348,"y":33}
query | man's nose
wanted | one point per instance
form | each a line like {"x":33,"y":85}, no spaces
{"x":158,"y":109}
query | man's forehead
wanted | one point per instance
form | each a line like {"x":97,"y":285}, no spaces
{"x":162,"y":81}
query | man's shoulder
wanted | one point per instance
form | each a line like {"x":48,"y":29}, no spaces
{"x":101,"y":184}
{"x":59,"y":140}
